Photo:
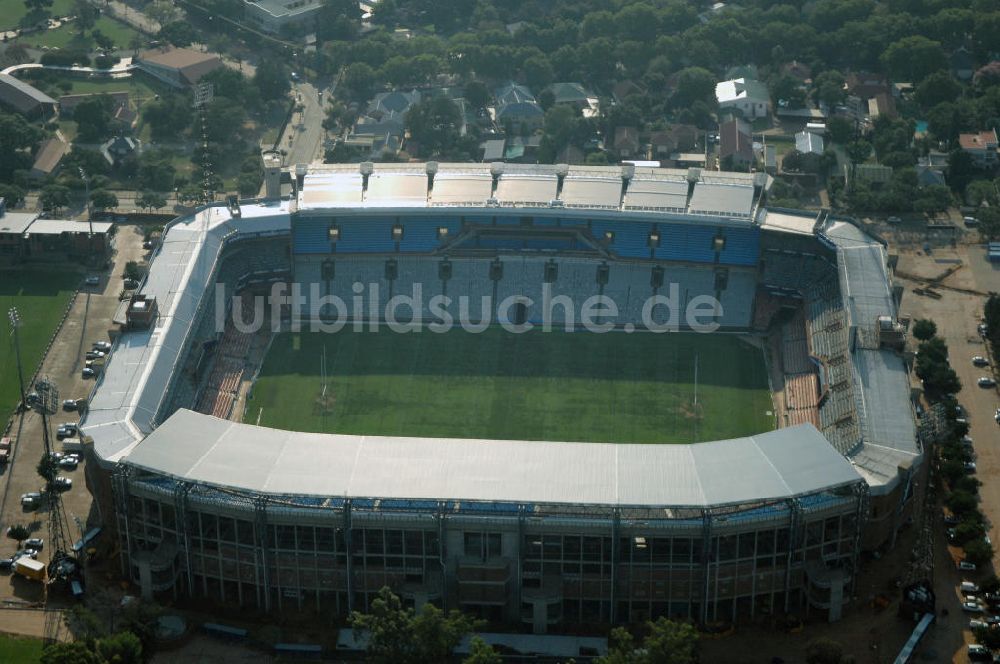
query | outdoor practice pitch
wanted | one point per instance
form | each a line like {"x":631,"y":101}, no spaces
{"x":569,"y":386}
{"x":41,"y":298}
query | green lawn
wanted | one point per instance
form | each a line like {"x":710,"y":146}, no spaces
{"x":40,"y":298}
{"x":581,"y":386}
{"x":20,"y":650}
{"x":12,"y":11}
{"x":67,"y":36}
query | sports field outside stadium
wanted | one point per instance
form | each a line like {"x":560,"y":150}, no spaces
{"x":40,"y":298}
{"x":563,"y":386}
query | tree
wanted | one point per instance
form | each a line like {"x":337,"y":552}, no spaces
{"x":53,"y":197}
{"x":38,"y":12}
{"x":829,"y":87}
{"x":481,"y":652}
{"x":120,"y":648}
{"x":161,"y":12}
{"x":667,"y":642}
{"x":18,"y":532}
{"x":824,"y":651}
{"x":477,"y":94}
{"x":102,"y":199}
{"x":47,"y":468}
{"x":132,"y":271}
{"x":978,"y":552}
{"x":397,"y":635}
{"x":12,"y":195}
{"x":434,"y":124}
{"x":924,"y":329}
{"x":167,"y":117}
{"x":74,"y":652}
{"x":86,"y":15}
{"x":840,"y":129}
{"x":693,"y":84}
{"x":178,"y":33}
{"x":156,"y":171}
{"x":150,"y":200}
{"x":93,"y":118}
{"x":936,"y":88}
{"x":962,"y":503}
{"x":914,"y":58}
{"x":272,"y":79}
{"x":359,"y":77}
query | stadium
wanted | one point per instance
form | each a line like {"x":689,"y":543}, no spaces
{"x":547,"y":480}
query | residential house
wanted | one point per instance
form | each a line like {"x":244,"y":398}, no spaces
{"x":928,"y":175}
{"x":493,"y":150}
{"x":625,"y":89}
{"x":12,"y":227}
{"x":23,"y":98}
{"x":626,"y":142}
{"x":770,"y":158}
{"x":48,"y":158}
{"x":808,"y":142}
{"x":988,"y":74}
{"x":395,"y":104}
{"x":284,"y":16}
{"x":577,"y":96}
{"x":800,"y":71}
{"x":866,"y":85}
{"x":178,"y":67}
{"x":735,"y":144}
{"x":872,"y":173}
{"x":881,"y":104}
{"x":516,"y":107}
{"x":981,"y":146}
{"x":748,"y":96}
{"x":522,"y":149}
{"x":117,"y":148}
{"x":678,"y":138}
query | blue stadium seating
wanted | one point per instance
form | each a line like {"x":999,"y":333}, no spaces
{"x":742,"y":246}
{"x":310,"y":236}
{"x":631,"y":237}
{"x":365,"y":234}
{"x":683,"y":242}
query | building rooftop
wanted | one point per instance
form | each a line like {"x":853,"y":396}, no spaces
{"x":16,"y":222}
{"x":60,"y":226}
{"x":981,"y":140}
{"x":741,"y":89}
{"x":780,"y":464}
{"x":21,"y":96}
{"x":808,"y":142}
{"x":49,"y":155}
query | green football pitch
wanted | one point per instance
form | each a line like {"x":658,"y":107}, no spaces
{"x":568,"y":386}
{"x":40,"y":298}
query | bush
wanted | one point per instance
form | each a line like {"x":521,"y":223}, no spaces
{"x":978,"y":552}
{"x":924,"y":329}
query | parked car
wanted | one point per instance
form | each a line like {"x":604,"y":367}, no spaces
{"x":986,"y":381}
{"x":67,"y":430}
{"x":980,"y":361}
{"x":69,"y":405}
{"x":102,"y":345}
{"x":69,"y":462}
{"x":36,"y":543}
{"x":6,"y":564}
{"x":966,"y":566}
{"x":951,"y":520}
{"x":971,"y":607}
{"x":63,"y":483}
{"x":977,"y":624}
{"x":93,"y":280}
{"x":26,"y":553}
{"x":978,"y":653}
{"x":88,"y":373}
{"x":95,"y":354}
{"x":970,"y":466}
{"x":31,"y":499}
{"x":894,"y":220}
{"x":968,"y":588}
{"x":971,"y":222}
{"x":130,"y":284}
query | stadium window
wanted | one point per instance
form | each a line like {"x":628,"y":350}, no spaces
{"x":333,"y":233}
{"x":609,"y":236}
{"x":397,"y":232}
{"x":719,"y":242}
{"x":654,"y":239}
{"x":442,"y":232}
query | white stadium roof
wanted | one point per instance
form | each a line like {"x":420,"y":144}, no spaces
{"x":780,"y":464}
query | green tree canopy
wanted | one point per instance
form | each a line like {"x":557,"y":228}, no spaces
{"x":666,"y":642}
{"x":924,"y":329}
{"x":398,"y":635}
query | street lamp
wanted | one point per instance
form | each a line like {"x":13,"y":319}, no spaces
{"x":15,"y":323}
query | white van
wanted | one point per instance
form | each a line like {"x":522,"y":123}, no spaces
{"x":969,"y":588}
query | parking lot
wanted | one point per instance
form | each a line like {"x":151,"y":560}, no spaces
{"x":89,"y":320}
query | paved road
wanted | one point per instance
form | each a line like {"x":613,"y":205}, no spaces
{"x":89,"y":320}
{"x":303,"y":137}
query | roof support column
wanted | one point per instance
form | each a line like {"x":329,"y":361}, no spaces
{"x":350,"y":565}
{"x":794,"y":524}
{"x":615,"y":533}
{"x":260,"y":525}
{"x":709,"y":555}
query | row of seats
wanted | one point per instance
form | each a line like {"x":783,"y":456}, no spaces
{"x":631,"y":239}
{"x":629,"y":285}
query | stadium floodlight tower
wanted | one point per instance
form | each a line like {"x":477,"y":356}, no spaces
{"x":15,"y":324}
{"x":44,"y":400}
